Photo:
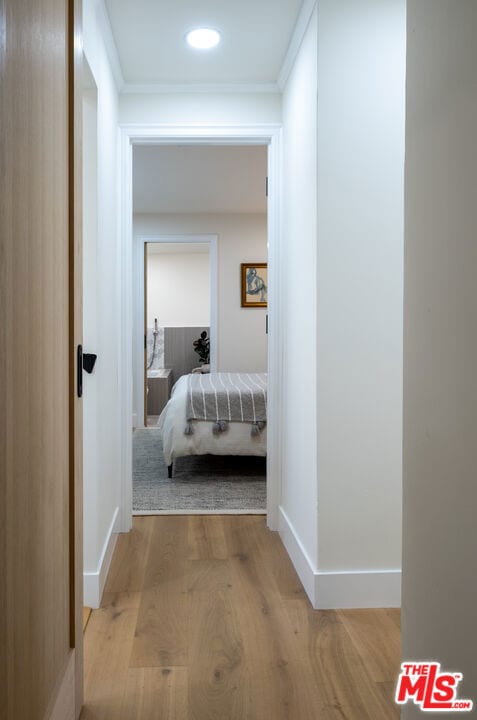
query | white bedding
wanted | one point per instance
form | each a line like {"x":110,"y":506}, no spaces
{"x":237,"y":440}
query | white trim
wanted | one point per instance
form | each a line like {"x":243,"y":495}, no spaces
{"x":110,"y":45}
{"x":198,"y":134}
{"x":125,"y":386}
{"x":301,"y":26}
{"x":188,"y":511}
{"x":339,"y":589}
{"x":275,"y":331}
{"x":194,"y":88}
{"x":358,"y":589}
{"x":267,"y":134}
{"x":138,"y":301}
{"x":302,"y":562}
{"x":214,"y":303}
{"x":93,"y":582}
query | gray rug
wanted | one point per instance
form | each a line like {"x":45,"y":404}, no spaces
{"x":201,"y":484}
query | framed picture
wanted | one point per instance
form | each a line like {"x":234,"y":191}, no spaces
{"x":254,"y":284}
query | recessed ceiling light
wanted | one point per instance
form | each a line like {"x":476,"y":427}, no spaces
{"x":203,"y":38}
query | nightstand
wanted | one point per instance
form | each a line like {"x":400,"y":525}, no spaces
{"x":159,"y":384}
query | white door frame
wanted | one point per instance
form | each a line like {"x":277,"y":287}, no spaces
{"x":138,"y":301}
{"x":203,"y":134}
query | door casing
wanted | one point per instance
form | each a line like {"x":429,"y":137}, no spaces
{"x":204,"y":134}
{"x":140,"y":291}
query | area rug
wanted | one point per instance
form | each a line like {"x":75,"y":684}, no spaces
{"x":201,"y":484}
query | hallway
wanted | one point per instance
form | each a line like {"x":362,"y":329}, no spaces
{"x":203,"y":617}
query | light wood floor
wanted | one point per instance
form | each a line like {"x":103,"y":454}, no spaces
{"x":86,"y":615}
{"x":204,"y":618}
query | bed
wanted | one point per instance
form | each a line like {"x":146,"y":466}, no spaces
{"x":215,"y":414}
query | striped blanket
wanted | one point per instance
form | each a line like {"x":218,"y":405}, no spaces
{"x":221,"y":398}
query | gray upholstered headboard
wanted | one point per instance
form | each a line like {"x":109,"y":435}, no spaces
{"x":179,"y":352}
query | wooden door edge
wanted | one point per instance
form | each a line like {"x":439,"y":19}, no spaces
{"x":75,"y":93}
{"x":63,"y":705}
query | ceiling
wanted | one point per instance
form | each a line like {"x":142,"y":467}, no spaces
{"x":178,"y":248}
{"x":199,"y":179}
{"x":149,"y":36}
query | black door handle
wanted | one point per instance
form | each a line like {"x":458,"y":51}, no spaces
{"x":89,"y":360}
{"x":84,"y":361}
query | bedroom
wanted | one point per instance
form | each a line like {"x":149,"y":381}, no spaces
{"x":200,"y":266}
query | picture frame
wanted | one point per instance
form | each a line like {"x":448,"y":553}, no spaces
{"x":254,"y":284}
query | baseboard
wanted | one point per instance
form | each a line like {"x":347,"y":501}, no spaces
{"x":359,"y":589}
{"x":134,"y":420}
{"x":93,"y":582}
{"x":301,"y":561}
{"x":333,"y":590}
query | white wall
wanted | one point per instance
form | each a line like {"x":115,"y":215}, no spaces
{"x":440,"y":342}
{"x":361,"y":73}
{"x":343,"y":116}
{"x":101,"y":319}
{"x":298,"y":521}
{"x":341,"y":290}
{"x":242,"y":342}
{"x":192,"y":108}
{"x":90,"y":302}
{"x":178,"y":289}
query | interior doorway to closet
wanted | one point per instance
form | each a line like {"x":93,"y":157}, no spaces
{"x":179,"y":305}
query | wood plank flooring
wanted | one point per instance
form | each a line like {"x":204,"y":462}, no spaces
{"x":86,"y":616}
{"x":204,"y":618}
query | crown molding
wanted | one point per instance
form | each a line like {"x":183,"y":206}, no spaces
{"x":111,"y":49}
{"x":301,"y":26}
{"x":210,"y":88}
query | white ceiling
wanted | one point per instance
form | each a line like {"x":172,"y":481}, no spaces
{"x":149,"y":36}
{"x":199,"y":179}
{"x":177,"y":248}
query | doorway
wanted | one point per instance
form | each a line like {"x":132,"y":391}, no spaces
{"x":180,"y":303}
{"x":192,"y":299}
{"x":270,"y":136}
